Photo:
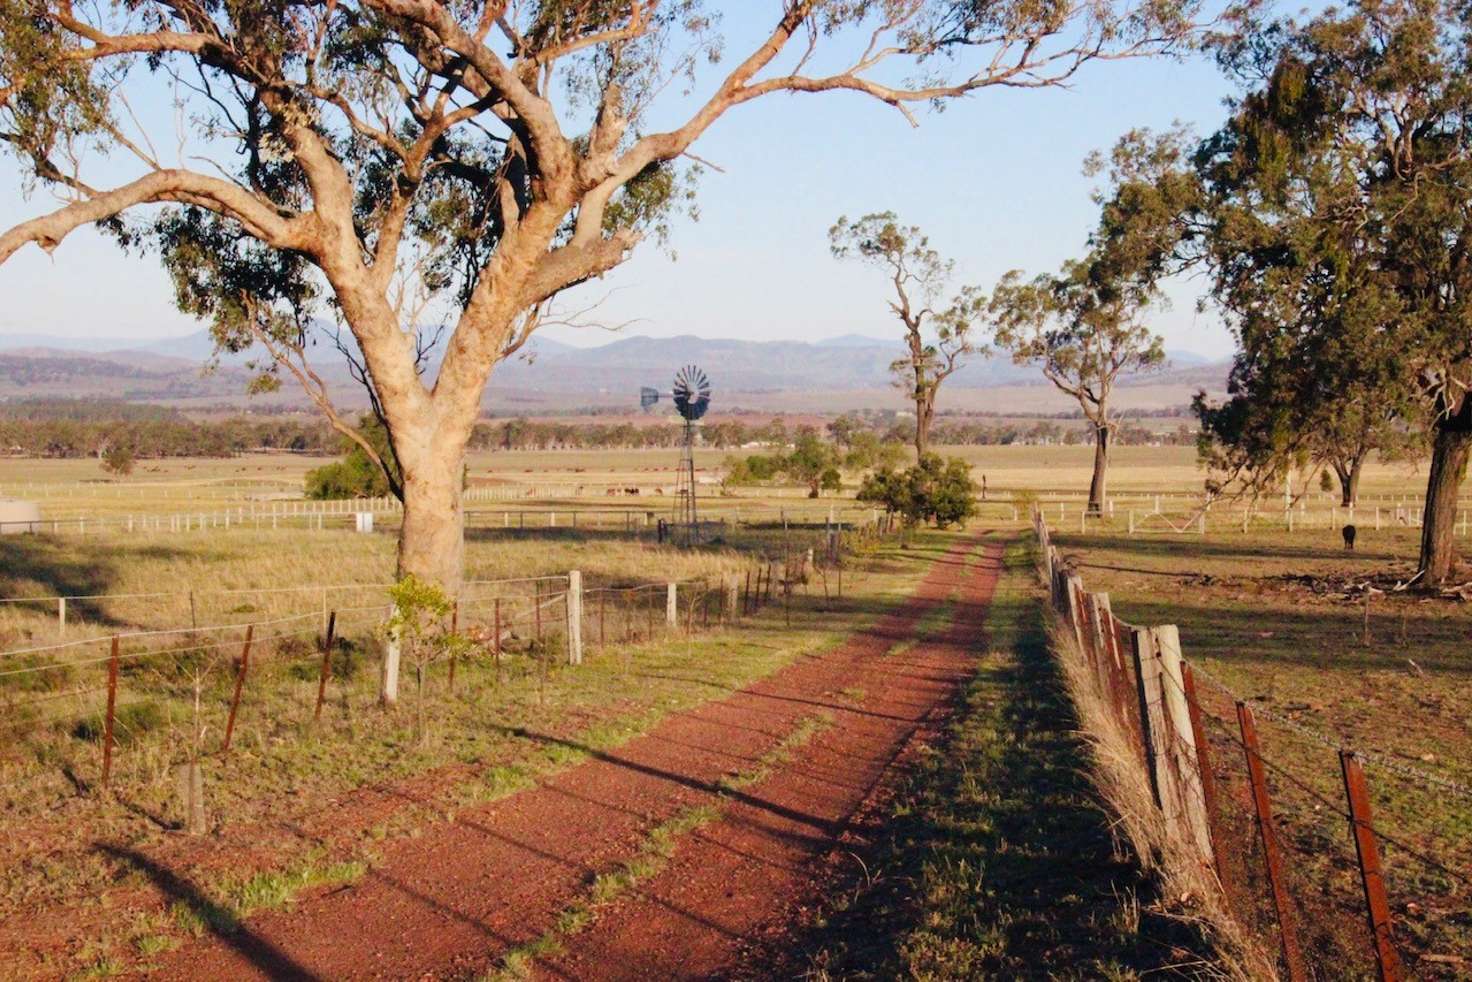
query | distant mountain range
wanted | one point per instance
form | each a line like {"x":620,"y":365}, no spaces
{"x":851,"y":371}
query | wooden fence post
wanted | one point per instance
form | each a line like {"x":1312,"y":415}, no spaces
{"x":240,"y":685}
{"x":1372,"y":878}
{"x":575,"y":617}
{"x":112,"y":704}
{"x":1073,"y":593}
{"x":326,"y":672}
{"x":1268,"y":836}
{"x":671,"y":606}
{"x":1183,"y":739}
{"x":1203,"y":768}
{"x":1152,"y":725}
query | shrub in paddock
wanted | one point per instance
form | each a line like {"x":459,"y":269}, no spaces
{"x":1349,"y":533}
{"x":933,"y":490}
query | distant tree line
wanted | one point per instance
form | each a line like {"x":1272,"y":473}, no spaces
{"x":91,"y":428}
{"x":525,"y":434}
{"x":78,"y":428}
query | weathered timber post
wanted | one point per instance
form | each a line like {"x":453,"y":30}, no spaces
{"x":671,"y":605}
{"x":1173,"y":691}
{"x":1203,"y":769}
{"x":1152,"y":722}
{"x":575,"y":617}
{"x":389,"y":690}
{"x":732,"y":598}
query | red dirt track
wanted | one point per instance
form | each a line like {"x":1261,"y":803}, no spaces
{"x":452,"y":901}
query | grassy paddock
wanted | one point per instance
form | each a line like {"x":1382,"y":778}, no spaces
{"x":1281,"y":620}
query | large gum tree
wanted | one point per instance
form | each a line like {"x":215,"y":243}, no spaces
{"x":364,"y":163}
{"x":1333,"y":213}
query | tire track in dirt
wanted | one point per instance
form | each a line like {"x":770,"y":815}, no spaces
{"x":737,"y":880}
{"x":451,"y":901}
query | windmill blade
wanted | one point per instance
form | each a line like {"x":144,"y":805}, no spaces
{"x":691,"y":392}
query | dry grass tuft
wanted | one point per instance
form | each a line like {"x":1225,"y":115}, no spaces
{"x":1118,"y":774}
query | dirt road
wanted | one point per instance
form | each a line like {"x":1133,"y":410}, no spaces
{"x":500,"y":879}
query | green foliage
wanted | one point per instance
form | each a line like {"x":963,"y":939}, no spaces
{"x":934,"y":490}
{"x":753,"y":469}
{"x":810,"y":461}
{"x":1082,"y":327}
{"x":356,"y":475}
{"x":118,"y":459}
{"x":867,"y":449}
{"x":418,"y":607}
{"x":1325,"y":211}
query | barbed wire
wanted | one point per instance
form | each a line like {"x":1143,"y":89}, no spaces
{"x":131,"y":635}
{"x":1374,"y":757}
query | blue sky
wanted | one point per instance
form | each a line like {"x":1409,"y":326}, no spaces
{"x":996,"y":180}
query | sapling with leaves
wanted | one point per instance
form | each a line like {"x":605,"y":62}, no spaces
{"x":937,"y":338}
{"x":417,"y":626}
{"x":1084,"y":327}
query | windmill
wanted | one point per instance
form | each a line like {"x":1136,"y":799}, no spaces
{"x":691,"y":396}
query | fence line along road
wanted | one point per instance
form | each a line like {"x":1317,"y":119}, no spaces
{"x":550,"y":608}
{"x":1149,"y":689}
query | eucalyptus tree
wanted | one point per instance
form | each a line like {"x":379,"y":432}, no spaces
{"x":1341,"y":220}
{"x":1084,"y":327}
{"x":1334,"y":214}
{"x":937,"y":339}
{"x":377,"y":163}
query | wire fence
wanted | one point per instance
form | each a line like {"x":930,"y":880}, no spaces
{"x":1340,"y":878}
{"x":129,"y":706}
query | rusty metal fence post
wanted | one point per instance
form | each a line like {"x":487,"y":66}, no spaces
{"x":326,"y":672}
{"x":239,"y":686}
{"x":112,"y":704}
{"x":1268,"y":836}
{"x":1372,"y":878}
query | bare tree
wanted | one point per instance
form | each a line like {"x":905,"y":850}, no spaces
{"x":336,"y":159}
{"x":1083,"y":329}
{"x":936,"y":341}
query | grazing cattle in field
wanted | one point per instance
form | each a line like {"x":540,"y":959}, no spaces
{"x":1349,"y":532}
{"x":611,"y":492}
{"x":631,"y":490}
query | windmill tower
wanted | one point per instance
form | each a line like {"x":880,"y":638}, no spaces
{"x":691,"y":396}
